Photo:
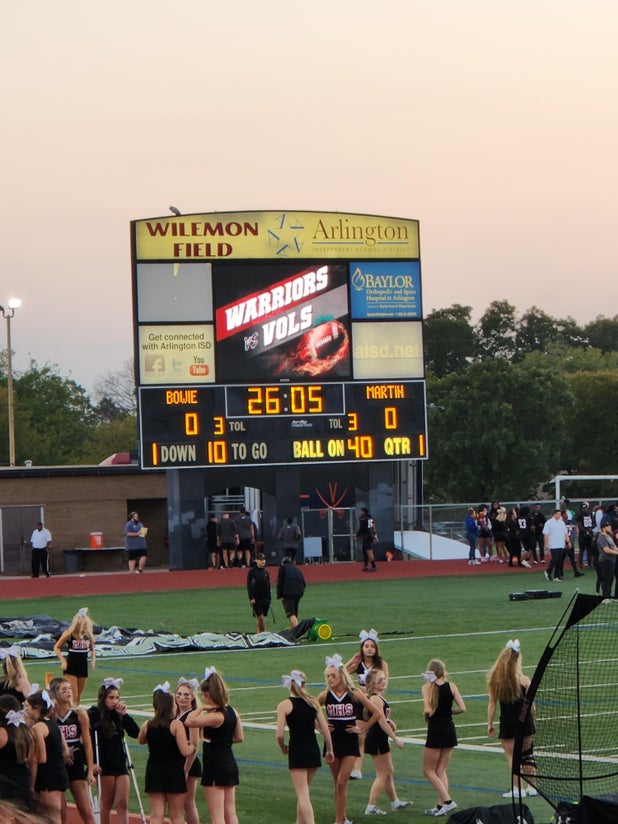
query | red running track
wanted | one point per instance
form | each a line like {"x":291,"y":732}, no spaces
{"x":160,"y":580}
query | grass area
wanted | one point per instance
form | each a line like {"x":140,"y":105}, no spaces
{"x":464,"y":621}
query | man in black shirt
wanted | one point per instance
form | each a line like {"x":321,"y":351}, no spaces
{"x":258,"y":589}
{"x":290,"y":588}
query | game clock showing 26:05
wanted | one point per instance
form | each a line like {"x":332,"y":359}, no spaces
{"x":278,"y":424}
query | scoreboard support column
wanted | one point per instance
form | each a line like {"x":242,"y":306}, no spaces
{"x":284,"y":504}
{"x":185,"y":506}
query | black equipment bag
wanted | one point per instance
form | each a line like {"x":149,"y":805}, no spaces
{"x":588,"y":811}
{"x":500,"y":814}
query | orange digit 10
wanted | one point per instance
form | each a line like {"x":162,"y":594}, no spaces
{"x":216,"y":452}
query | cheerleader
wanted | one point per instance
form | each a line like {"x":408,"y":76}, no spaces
{"x":377,"y":746}
{"x":498,"y":524}
{"x":344,"y":705}
{"x":15,"y":745}
{"x":221,"y":727}
{"x":14,"y":680}
{"x":367,"y":658}
{"x":438,"y":698}
{"x":186,"y":702}
{"x":301,"y":714}
{"x":507,"y":686}
{"x":168,"y":750}
{"x":49,"y":753}
{"x":80,"y":640}
{"x":75,"y":729}
{"x":513,"y":537}
{"x":109,"y":721}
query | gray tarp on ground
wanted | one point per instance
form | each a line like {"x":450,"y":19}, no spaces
{"x":36,"y":637}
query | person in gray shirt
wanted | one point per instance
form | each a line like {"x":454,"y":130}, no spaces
{"x":227,"y":537}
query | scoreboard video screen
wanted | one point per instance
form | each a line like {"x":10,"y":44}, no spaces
{"x":271,"y":338}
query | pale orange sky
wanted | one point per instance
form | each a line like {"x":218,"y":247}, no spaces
{"x":494,"y":124}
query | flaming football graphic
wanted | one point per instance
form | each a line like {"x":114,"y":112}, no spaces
{"x":318,"y":352}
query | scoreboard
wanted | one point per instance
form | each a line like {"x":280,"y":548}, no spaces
{"x":278,"y":338}
{"x":257,"y":425}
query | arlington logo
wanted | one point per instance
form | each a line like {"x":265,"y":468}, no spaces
{"x":285,"y":236}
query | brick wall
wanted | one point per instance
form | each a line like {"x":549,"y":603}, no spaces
{"x":81,"y":502}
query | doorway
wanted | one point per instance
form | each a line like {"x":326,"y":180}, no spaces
{"x":335,"y":530}
{"x":16,"y":526}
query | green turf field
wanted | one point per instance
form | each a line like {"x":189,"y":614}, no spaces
{"x":462,"y":620}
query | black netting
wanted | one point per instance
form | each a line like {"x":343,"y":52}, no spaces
{"x":575,"y":699}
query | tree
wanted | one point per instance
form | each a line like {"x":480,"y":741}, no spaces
{"x":566,"y":359}
{"x":116,"y":413}
{"x":109,"y":437}
{"x":114,"y":393}
{"x":602,"y":333}
{"x":535,"y":331}
{"x":53,"y":416}
{"x":450,"y":340}
{"x":571,"y":334}
{"x":497,"y":330}
{"x":501,"y":430}
{"x":593,"y":436}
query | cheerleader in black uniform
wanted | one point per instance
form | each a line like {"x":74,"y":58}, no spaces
{"x":301,"y":714}
{"x":80,"y":639}
{"x":13,"y":680}
{"x":377,"y":746}
{"x":368,"y":657}
{"x":49,"y":752}
{"x":186,"y":702}
{"x":513,"y":538}
{"x":15,"y":745}
{"x":344,"y":706}
{"x":221,"y":727}
{"x":498,"y":524}
{"x":75,"y":729}
{"x":168,"y":751}
{"x":507,"y":686}
{"x":438,"y":698}
{"x":109,"y":721}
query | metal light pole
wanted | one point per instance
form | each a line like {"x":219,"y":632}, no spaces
{"x":14,"y":303}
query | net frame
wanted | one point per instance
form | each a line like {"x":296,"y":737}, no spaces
{"x":573,"y":698}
